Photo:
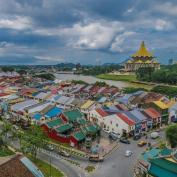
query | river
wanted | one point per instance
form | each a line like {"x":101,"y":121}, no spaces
{"x":92,"y":79}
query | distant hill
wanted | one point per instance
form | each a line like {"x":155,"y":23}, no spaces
{"x":109,"y":64}
{"x":66,"y":65}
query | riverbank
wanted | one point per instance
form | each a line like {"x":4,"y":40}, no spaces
{"x":126,"y":81}
{"x":126,"y":78}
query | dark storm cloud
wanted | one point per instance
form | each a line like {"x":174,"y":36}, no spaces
{"x":84,"y":30}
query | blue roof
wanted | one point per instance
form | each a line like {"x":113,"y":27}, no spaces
{"x":37,"y":116}
{"x":102,"y":99}
{"x":138,"y":115}
{"x":139,"y":92}
{"x":131,"y":116}
{"x":174,"y":107}
{"x":31,"y":167}
{"x":57,"y":97}
{"x":53,"y":112}
{"x":125,"y":98}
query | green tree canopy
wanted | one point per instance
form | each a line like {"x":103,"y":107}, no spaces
{"x":47,"y":76}
{"x":171,"y":134}
{"x":22,"y":71}
{"x":33,"y":139}
{"x":7,"y":69}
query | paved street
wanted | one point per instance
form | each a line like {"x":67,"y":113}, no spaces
{"x":69,"y":170}
{"x":117,"y":165}
{"x":114,"y":165}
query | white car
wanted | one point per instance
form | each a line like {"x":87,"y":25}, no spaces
{"x":128,"y":153}
{"x":106,"y":130}
{"x":15,"y":127}
{"x":154,"y":135}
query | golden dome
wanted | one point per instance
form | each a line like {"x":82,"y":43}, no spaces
{"x":129,"y":61}
{"x":142,"y":52}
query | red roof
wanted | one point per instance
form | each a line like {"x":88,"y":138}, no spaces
{"x":126,"y":119}
{"x":152,"y":113}
{"x":121,"y":107}
{"x":101,"y":112}
{"x":3,"y":94}
{"x":95,"y":89}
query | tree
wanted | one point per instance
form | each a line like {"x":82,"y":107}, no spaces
{"x":128,"y":90}
{"x":171,"y":134}
{"x":6,"y":128}
{"x":145,"y":73}
{"x":167,"y":90}
{"x":33,"y":139}
{"x":47,"y":76}
{"x":1,"y":140}
{"x":7,"y":69}
{"x":22,"y":71}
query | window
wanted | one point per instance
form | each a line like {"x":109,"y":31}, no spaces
{"x":116,"y":125}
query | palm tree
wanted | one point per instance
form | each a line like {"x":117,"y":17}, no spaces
{"x":6,"y":128}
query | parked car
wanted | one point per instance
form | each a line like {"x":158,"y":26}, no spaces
{"x":124,"y":140}
{"x":64,"y":153}
{"x":141,"y":143}
{"x":15,"y":127}
{"x":137,"y":137}
{"x":106,"y":130}
{"x":128,"y":153}
{"x":96,"y":158}
{"x":49,"y":147}
{"x":154,"y":135}
{"x":114,"y":135}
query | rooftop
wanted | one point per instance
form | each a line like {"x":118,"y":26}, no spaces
{"x":73,"y":115}
{"x":79,"y":136}
{"x":63,"y":128}
{"x":161,"y":167}
{"x":54,"y":123}
{"x":142,"y":52}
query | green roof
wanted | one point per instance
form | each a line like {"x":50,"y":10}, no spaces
{"x":79,"y":136}
{"x":63,"y":128}
{"x":54,"y":123}
{"x":91,"y":129}
{"x":161,"y":167}
{"x":82,"y":121}
{"x":73,"y":115}
{"x":175,"y":156}
{"x":166,"y":152}
{"x":150,"y":154}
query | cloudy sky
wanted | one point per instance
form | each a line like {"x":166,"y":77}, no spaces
{"x":85,"y":31}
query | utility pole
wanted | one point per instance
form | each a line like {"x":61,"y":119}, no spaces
{"x":50,"y":168}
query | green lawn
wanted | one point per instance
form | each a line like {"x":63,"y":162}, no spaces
{"x":45,"y":168}
{"x":127,"y":78}
{"x":5,"y":152}
{"x":89,"y":169}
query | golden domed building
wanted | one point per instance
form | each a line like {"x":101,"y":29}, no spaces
{"x":142,"y":58}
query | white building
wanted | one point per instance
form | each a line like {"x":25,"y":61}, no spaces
{"x":119,"y":123}
{"x":97,"y":116}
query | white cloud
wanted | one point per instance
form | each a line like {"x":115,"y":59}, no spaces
{"x":167,"y":8}
{"x":161,"y":25}
{"x":18,"y":23}
{"x":91,"y":35}
{"x":49,"y":58}
{"x":117,"y":45}
{"x":94,"y":35}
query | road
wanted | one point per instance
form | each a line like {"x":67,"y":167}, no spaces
{"x":61,"y":165}
{"x":117,"y":165}
{"x":56,"y":161}
{"x":114,"y":165}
